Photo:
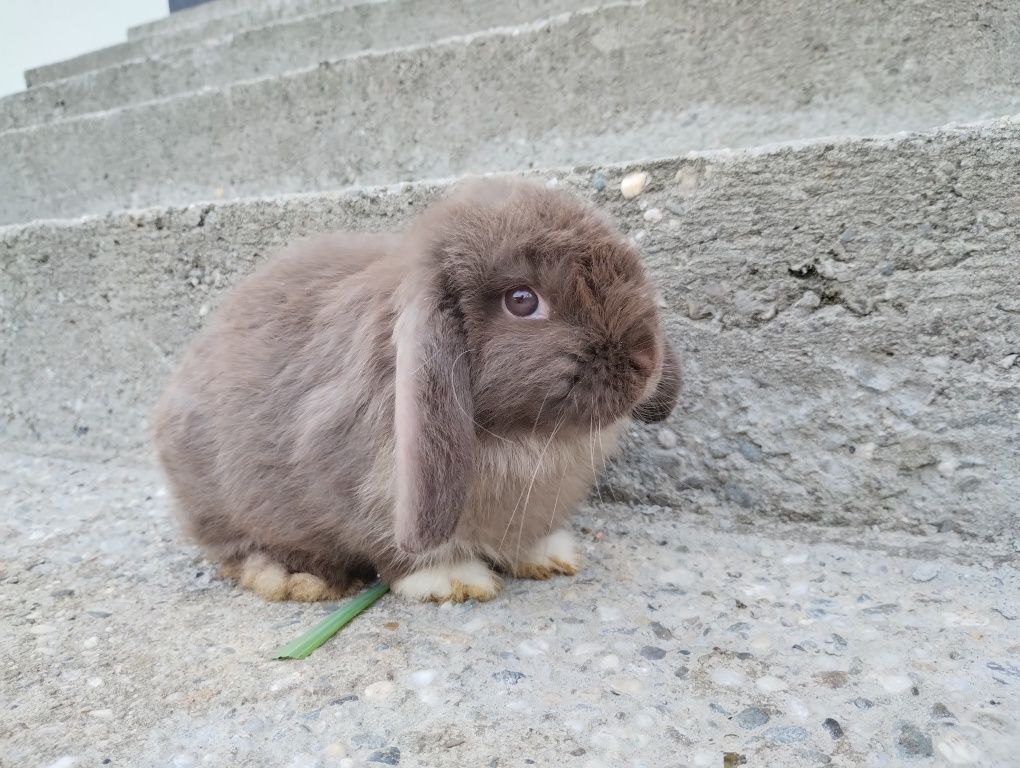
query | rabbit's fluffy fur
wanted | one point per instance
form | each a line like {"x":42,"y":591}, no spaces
{"x":365,"y":404}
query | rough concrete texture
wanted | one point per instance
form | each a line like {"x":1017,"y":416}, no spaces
{"x":847,"y":312}
{"x":206,"y":12}
{"x":680,"y":641}
{"x":618,"y":82}
{"x":210,"y":31}
{"x":101,"y":58}
{"x":168,"y":46}
{"x":208,"y":19}
{"x":270,"y":50}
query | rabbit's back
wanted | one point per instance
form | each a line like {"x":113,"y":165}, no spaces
{"x":279,"y":414}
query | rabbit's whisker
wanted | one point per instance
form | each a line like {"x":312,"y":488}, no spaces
{"x":605,"y":464}
{"x":470,"y":415}
{"x":531,"y":485}
{"x":591,"y":442}
{"x":556,"y":501}
{"x":540,"y":407}
{"x":534,"y":475}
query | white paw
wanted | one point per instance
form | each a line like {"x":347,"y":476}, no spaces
{"x":556,"y":553}
{"x":449,"y":581}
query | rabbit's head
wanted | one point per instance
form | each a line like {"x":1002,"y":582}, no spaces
{"x":525,"y":311}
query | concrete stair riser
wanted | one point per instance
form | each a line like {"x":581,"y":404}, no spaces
{"x":846,"y":314}
{"x":264,"y":51}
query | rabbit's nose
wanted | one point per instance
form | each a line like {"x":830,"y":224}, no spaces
{"x":621,"y":358}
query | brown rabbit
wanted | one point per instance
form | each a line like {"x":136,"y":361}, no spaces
{"x":426,"y":407}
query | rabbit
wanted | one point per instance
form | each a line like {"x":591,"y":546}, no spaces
{"x":427,"y":408}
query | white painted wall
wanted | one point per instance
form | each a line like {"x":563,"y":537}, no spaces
{"x":35,"y":32}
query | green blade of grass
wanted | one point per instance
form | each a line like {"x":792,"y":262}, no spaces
{"x":317,"y":635}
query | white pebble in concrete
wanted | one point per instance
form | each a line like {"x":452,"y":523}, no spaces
{"x":633,"y":184}
{"x":770,"y":684}
{"x":666,"y":438}
{"x":895,"y":683}
{"x":422,"y":678}
{"x":727,"y":677}
{"x":334,"y":751}
{"x":67,"y":761}
{"x":626,"y":685}
{"x":534,"y":647}
{"x":379,"y":691}
{"x":925,"y":572}
{"x":609,"y":613}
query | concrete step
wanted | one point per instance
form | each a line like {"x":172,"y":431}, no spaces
{"x":847,"y":312}
{"x":202,"y":14}
{"x":683,"y":637}
{"x":221,"y":31}
{"x":609,"y":84}
{"x":208,"y":19}
{"x":270,"y":50}
{"x":210,"y":31}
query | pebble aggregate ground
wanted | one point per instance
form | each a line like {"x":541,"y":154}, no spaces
{"x":683,"y":639}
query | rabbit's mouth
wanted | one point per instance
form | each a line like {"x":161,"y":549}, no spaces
{"x":599,"y":398}
{"x":567,"y":392}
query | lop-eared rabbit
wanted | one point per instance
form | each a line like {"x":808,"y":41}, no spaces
{"x":426,"y":407}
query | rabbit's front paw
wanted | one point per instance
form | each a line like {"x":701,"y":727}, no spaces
{"x":556,"y":553}
{"x":454,"y":582}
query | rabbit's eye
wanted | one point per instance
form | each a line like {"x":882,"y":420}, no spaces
{"x":522,"y":302}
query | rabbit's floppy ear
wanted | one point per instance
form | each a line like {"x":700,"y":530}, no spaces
{"x":434,"y":424}
{"x":661,"y":403}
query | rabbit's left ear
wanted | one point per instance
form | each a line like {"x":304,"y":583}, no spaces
{"x":663,"y":400}
{"x":434,"y":424}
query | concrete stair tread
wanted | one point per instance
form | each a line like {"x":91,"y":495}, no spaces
{"x":800,"y":644}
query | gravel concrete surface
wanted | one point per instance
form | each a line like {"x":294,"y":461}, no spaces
{"x":683,"y":639}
